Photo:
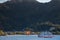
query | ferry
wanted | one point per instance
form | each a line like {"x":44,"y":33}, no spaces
{"x":46,"y":35}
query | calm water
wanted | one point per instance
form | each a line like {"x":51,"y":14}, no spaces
{"x":27,"y":37}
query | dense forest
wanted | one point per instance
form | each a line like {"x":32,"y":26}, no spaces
{"x":19,"y":15}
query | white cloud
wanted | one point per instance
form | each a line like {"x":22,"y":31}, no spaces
{"x":43,"y":1}
{"x":2,"y":1}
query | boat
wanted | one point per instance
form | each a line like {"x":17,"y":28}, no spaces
{"x":46,"y":34}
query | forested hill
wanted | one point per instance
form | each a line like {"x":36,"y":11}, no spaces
{"x":17,"y":16}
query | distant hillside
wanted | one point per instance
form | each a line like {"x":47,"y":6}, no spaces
{"x":17,"y":16}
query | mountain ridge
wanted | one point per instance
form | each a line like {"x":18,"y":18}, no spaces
{"x":20,"y":15}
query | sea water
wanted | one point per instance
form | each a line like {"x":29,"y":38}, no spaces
{"x":27,"y":37}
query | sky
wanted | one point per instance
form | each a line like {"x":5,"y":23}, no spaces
{"x":41,"y":1}
{"x":2,"y":1}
